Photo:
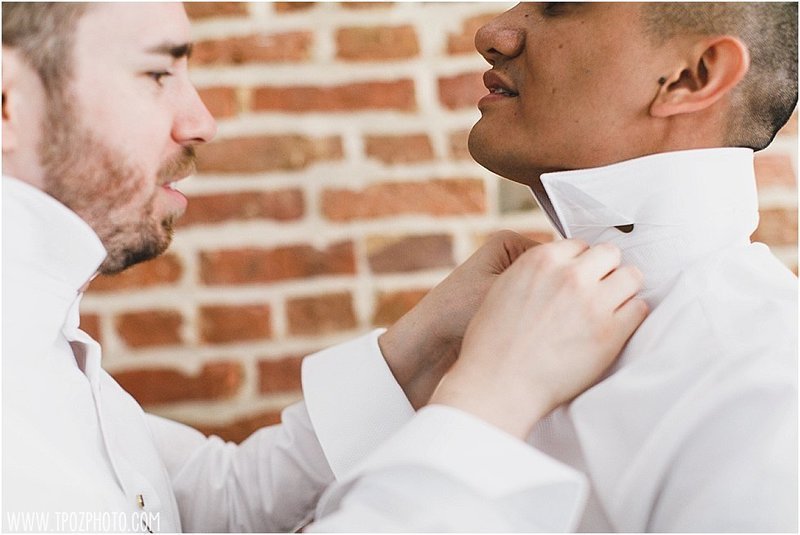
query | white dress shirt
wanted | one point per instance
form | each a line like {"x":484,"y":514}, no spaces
{"x":695,"y":427}
{"x":79,"y":454}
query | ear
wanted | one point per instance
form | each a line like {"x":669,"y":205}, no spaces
{"x":10,"y":85}
{"x":714,"y":68}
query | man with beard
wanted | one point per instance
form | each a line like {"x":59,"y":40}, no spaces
{"x":635,"y":124}
{"x":99,"y":121}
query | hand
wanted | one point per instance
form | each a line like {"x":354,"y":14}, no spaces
{"x":548,"y":329}
{"x":425,"y":342}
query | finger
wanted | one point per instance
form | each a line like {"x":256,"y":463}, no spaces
{"x":629,"y":316}
{"x":549,"y":256}
{"x":564,"y":249}
{"x":512,"y":244}
{"x":500,"y":251}
{"x":598,"y":261}
{"x":620,"y":285}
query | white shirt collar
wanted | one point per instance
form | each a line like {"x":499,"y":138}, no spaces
{"x":682,"y":205}
{"x":48,"y":236}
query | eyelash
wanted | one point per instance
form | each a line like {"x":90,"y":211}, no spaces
{"x":158,"y":76}
{"x":552,"y":9}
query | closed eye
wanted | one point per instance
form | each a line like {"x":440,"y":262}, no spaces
{"x":554,"y":9}
{"x":551,"y":9}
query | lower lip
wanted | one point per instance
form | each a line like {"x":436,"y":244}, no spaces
{"x":178,"y":197}
{"x":494,"y":97}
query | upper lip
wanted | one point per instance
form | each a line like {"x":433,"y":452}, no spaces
{"x":494,"y":82}
{"x":174,"y":179}
{"x":186,"y":170}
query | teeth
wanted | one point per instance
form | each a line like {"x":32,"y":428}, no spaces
{"x":502,"y":91}
{"x":171,"y":185}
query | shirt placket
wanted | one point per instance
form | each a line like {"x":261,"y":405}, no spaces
{"x":140,"y":500}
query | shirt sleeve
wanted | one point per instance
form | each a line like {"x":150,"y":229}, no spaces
{"x":271,"y":482}
{"x":353,"y":400}
{"x":449,"y":471}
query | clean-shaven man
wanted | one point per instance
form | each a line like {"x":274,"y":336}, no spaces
{"x":99,"y":121}
{"x":635,"y":124}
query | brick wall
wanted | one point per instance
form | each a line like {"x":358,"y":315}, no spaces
{"x":339,"y":190}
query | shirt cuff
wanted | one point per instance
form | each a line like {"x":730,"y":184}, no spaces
{"x":353,"y":400}
{"x":488,"y":461}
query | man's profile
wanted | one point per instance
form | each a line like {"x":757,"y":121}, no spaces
{"x":634,"y":124}
{"x":100,"y":120}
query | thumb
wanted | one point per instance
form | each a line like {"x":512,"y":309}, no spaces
{"x":503,"y":249}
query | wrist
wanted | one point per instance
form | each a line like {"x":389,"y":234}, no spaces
{"x":417,"y":356}
{"x":494,"y":400}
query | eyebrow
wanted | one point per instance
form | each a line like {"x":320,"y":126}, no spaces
{"x":177,"y":51}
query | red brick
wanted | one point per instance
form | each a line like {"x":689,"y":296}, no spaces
{"x":292,"y":7}
{"x":774,"y":170}
{"x":790,"y":128}
{"x":462,"y":91}
{"x":409,"y":253}
{"x":219,"y":380}
{"x":150,"y":328}
{"x":90,"y":324}
{"x":778,"y":226}
{"x":281,"y":375}
{"x":247,"y":266}
{"x":266,"y":153}
{"x":260,"y":48}
{"x":203,"y":10}
{"x":365,"y":5}
{"x":282,"y":205}
{"x":220,"y":101}
{"x":459,"y":149}
{"x":513,"y":197}
{"x":234,"y":323}
{"x":165,"y":269}
{"x":399,"y":149}
{"x":376,"y":43}
{"x":391,"y":306}
{"x":436,"y":197}
{"x":320,"y":314}
{"x":539,"y":236}
{"x":395,"y":95}
{"x":238,"y":430}
{"x":464,"y":41}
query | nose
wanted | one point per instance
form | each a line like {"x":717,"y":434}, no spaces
{"x":501,"y":38}
{"x":194,"y":125}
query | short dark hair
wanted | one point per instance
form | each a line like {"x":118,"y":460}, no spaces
{"x":43,"y":32}
{"x":767,"y":95}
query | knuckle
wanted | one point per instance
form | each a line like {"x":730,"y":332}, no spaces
{"x":611,"y":251}
{"x":544,"y":257}
{"x":641,"y":307}
{"x":504,"y":235}
{"x":581,"y":245}
{"x":573,"y":278}
{"x":498,"y":239}
{"x":634,"y":273}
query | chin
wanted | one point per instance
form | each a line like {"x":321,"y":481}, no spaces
{"x":498,"y":161}
{"x":127,"y":248}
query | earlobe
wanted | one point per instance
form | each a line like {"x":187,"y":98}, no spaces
{"x":714,"y":69}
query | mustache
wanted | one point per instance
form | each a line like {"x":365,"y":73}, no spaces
{"x":182,"y":164}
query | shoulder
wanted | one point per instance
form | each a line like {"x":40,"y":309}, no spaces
{"x":736,"y":309}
